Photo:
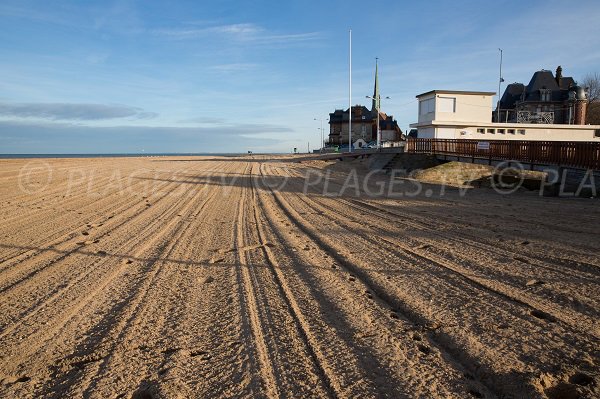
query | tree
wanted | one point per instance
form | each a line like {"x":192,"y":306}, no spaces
{"x":591,"y":82}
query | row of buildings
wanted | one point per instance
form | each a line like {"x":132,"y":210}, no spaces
{"x":551,"y":107}
{"x":364,"y":123}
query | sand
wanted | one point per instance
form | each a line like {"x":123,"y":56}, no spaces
{"x":232,"y":277}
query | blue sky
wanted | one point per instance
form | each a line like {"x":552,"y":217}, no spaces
{"x":233,"y":76}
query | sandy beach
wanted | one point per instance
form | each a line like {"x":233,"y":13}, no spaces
{"x":247,"y":277}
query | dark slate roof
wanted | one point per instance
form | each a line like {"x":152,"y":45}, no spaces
{"x":566,"y":83}
{"x":542,"y":80}
{"x":539,"y":81}
{"x":511,"y":95}
{"x":386,"y":122}
{"x":358,"y":111}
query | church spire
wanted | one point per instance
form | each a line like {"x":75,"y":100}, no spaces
{"x":376,"y":99}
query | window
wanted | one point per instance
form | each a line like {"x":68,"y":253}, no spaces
{"x":481,"y":130}
{"x":597,"y":133}
{"x":521,"y":131}
{"x":426,"y":106}
{"x":545,"y":94}
{"x":447,"y":104}
{"x":492,"y":131}
{"x":511,"y":131}
{"x":501,"y":131}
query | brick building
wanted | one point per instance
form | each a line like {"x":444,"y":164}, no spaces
{"x":364,"y":123}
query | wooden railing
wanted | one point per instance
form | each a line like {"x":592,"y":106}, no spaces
{"x":585,"y":155}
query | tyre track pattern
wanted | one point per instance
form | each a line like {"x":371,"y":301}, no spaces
{"x":533,"y":306}
{"x":381,"y":295}
{"x":167,"y":213}
{"x":291,"y":305}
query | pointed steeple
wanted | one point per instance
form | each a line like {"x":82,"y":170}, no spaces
{"x":376,"y":98}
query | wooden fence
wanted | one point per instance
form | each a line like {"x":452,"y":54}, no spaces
{"x":575,"y":154}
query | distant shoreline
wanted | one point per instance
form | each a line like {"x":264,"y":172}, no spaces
{"x":173,"y":154}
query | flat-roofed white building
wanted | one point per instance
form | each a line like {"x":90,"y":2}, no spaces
{"x":450,"y":114}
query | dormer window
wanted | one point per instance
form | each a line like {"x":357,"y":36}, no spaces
{"x":545,"y":95}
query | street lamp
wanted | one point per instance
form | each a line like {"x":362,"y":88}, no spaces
{"x":378,"y":105}
{"x":322,"y":132}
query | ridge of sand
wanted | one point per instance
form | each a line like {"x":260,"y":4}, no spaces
{"x":179,"y":277}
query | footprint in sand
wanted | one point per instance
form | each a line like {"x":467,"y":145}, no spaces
{"x":8,"y":380}
{"x":204,"y":355}
{"x":582,"y":379}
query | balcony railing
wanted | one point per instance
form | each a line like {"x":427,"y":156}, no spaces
{"x":546,"y":117}
{"x":584,"y":155}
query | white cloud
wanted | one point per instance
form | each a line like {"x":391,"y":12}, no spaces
{"x":243,"y":33}
{"x":68,"y":111}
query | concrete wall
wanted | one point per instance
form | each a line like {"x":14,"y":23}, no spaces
{"x":426,"y":133}
{"x":521,"y":132}
{"x":467,"y":108}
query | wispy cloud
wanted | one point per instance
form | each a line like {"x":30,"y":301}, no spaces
{"x":243,"y":33}
{"x":212,"y":123}
{"x":204,"y":120}
{"x":233,"y":67}
{"x":75,"y":112}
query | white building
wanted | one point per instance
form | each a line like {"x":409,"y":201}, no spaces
{"x":449,"y":114}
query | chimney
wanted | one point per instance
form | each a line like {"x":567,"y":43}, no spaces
{"x":580,"y":112}
{"x":559,"y":76}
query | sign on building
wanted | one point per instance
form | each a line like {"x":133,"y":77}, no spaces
{"x":483,"y":145}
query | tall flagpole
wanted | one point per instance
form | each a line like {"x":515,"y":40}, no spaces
{"x":500,"y":80}
{"x":350,"y":97}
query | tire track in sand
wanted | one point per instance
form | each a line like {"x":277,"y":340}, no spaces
{"x":268,"y":378}
{"x":82,"y":301}
{"x":386,"y":300}
{"x":286,"y":295}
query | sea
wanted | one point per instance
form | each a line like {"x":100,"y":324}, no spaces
{"x":170,"y":154}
